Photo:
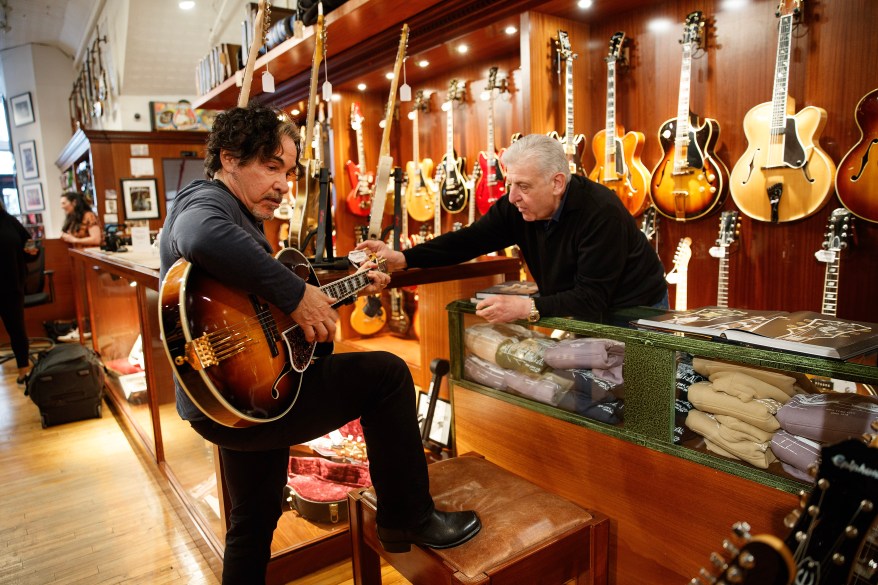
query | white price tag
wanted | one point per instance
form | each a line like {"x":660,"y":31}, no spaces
{"x":267,"y":82}
{"x":718,"y":252}
{"x":825,"y":255}
{"x":327,"y":91}
{"x":405,"y":93}
{"x":357,"y":257}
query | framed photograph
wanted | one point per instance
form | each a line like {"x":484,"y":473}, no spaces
{"x":440,"y":429}
{"x":27,"y":158}
{"x":32,"y":196}
{"x":22,"y":109}
{"x":141,"y":198}
{"x":180,"y":116}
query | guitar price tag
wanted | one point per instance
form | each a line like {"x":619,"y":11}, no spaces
{"x":267,"y":82}
{"x":357,"y":257}
{"x":327,"y":91}
{"x":825,"y":255}
{"x":405,"y":93}
{"x":718,"y":252}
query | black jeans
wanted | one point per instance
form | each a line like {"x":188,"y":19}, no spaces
{"x":12,"y":314}
{"x":377,"y":387}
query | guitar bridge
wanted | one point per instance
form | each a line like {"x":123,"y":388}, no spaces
{"x":198,"y":353}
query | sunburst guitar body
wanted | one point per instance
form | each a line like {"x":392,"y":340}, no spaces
{"x":857,"y":178}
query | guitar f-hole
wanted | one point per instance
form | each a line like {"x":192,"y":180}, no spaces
{"x":865,"y":160}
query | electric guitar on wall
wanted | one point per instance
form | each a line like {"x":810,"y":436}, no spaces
{"x":420,"y":187}
{"x":832,"y":540}
{"x":239,"y":358}
{"x":359,"y":200}
{"x":492,"y":182}
{"x":679,"y":274}
{"x":368,"y":316}
{"x":617,"y":154}
{"x":690,"y":181}
{"x":574,"y":144}
{"x":857,"y":178}
{"x":308,"y":187}
{"x":729,"y":229}
{"x":453,"y":192}
{"x":838,"y":230}
{"x":783,"y":175}
{"x":649,"y":225}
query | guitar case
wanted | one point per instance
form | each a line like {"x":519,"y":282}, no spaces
{"x":318,"y":488}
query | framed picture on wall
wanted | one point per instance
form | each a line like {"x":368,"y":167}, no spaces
{"x":440,"y":429}
{"x":141,"y":198}
{"x":32,"y":197}
{"x":27,"y":158}
{"x":22,"y":109}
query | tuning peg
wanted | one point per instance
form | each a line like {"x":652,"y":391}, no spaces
{"x":741,"y":530}
{"x":792,"y":518}
{"x":703,"y":574}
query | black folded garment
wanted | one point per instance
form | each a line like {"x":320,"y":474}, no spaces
{"x":593,"y":397}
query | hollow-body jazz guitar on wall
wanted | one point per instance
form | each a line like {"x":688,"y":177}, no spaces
{"x":618,"y":154}
{"x":690,"y":181}
{"x":783,"y":175}
{"x":239,"y":358}
{"x":857,"y":179}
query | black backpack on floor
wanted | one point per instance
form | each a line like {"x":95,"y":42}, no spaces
{"x":67,"y":384}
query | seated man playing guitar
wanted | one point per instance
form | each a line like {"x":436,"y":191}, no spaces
{"x":216,"y":226}
{"x":581,"y":244}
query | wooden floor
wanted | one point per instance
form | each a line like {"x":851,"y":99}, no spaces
{"x":81,"y":505}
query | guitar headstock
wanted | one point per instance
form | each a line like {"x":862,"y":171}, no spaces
{"x":729,"y":228}
{"x":829,"y":534}
{"x":749,"y":560}
{"x":455,"y":90}
{"x":692,"y":29}
{"x":421,"y":102}
{"x":683,"y":254}
{"x":492,"y":79}
{"x":563,"y":43}
{"x":649,"y":226}
{"x":838,"y":229}
{"x":785,"y":8}
{"x":616,"y":43}
{"x":356,"y":116}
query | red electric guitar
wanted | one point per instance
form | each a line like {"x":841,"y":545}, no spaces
{"x":492,"y":183}
{"x":359,"y":200}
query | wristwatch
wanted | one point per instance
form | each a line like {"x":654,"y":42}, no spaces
{"x":534,"y":315}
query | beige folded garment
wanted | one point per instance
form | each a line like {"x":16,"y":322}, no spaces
{"x":747,"y":387}
{"x":786,"y":383}
{"x":753,"y":452}
{"x":758,"y":412}
{"x":734,"y":424}
{"x":714,"y":448}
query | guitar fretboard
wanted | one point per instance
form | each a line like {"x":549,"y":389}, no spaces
{"x":570,"y":145}
{"x":346,"y":287}
{"x":781,"y":88}
{"x":830,"y":287}
{"x":722,"y":290}
{"x":866,"y":568}
{"x":681,"y":138}
{"x":610,"y":138}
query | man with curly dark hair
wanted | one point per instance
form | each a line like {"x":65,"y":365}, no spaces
{"x":217,"y":226}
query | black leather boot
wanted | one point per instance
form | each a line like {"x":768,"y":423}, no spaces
{"x":440,"y":530}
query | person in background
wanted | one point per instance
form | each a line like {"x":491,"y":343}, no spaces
{"x":583,"y":248}
{"x":81,"y":227}
{"x":15,"y":247}
{"x":217,"y":226}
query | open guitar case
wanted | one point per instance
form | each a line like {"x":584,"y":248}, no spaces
{"x":317,"y":487}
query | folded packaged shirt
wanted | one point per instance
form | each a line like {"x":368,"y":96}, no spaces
{"x":484,"y":372}
{"x":537,"y":388}
{"x":796,"y":451}
{"x":604,"y":356}
{"x":525,"y":356}
{"x":736,"y":424}
{"x":746,"y":387}
{"x":759,"y":412}
{"x":828,"y":418}
{"x":787,"y":384}
{"x":753,"y":452}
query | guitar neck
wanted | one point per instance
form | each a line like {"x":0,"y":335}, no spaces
{"x":680,"y":300}
{"x":722,"y":289}
{"x":681,"y":139}
{"x":416,"y":134}
{"x":830,"y":287}
{"x":361,"y":152}
{"x":491,"y":154}
{"x":449,"y":138}
{"x":781,"y":81}
{"x":610,"y":138}
{"x":346,"y":287}
{"x":568,"y":66}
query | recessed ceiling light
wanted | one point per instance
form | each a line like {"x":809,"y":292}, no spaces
{"x":389,"y":75}
{"x":336,"y":97}
{"x":659,"y":25}
{"x":462,"y":49}
{"x":585,"y":4}
{"x":423,"y":63}
{"x":361,"y":86}
{"x":296,"y":112}
{"x":510,"y":30}
{"x":187,"y":4}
